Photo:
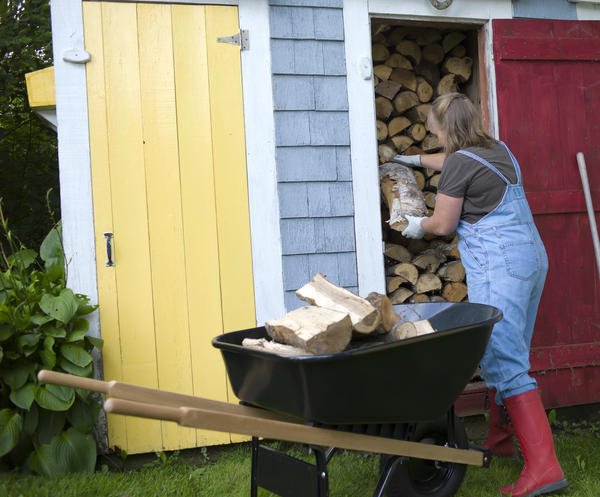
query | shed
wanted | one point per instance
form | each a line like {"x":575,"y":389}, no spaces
{"x":215,"y":155}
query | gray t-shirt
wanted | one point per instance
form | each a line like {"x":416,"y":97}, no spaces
{"x":481,"y":188}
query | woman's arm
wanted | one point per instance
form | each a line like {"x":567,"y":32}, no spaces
{"x":433,"y":161}
{"x":446,"y":215}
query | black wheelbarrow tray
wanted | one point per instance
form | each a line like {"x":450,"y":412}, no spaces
{"x":386,"y":398}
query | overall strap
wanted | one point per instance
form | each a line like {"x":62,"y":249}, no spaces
{"x":486,"y":164}
{"x":514,"y":161}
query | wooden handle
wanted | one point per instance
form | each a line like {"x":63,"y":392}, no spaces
{"x":69,"y":380}
{"x":590,"y":208}
{"x":244,"y":424}
{"x":137,"y":393}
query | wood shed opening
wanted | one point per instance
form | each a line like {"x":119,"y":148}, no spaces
{"x":413,"y":63}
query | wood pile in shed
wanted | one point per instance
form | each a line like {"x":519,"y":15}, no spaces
{"x":412,"y":66}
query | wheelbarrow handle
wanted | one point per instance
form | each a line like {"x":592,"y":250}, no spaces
{"x":147,"y":395}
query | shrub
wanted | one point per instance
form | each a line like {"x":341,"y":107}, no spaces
{"x":44,"y":428}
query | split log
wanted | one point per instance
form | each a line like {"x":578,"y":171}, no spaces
{"x":398,"y":61}
{"x":451,"y":40}
{"x":386,"y":152}
{"x":383,"y":108}
{"x":428,"y":282}
{"x":429,"y":260}
{"x":272,"y":346}
{"x":433,"y":53}
{"x":389,"y":317}
{"x":428,"y":36}
{"x":404,"y":197}
{"x":417,"y":132}
{"x":405,"y":100}
{"x":382,"y":130}
{"x":365,"y":318}
{"x":410,"y":49}
{"x":402,"y":142}
{"x":437,"y":298}
{"x":460,"y":67}
{"x":405,"y":77}
{"x":419,"y":178}
{"x":430,"y":143}
{"x":397,"y":252}
{"x":419,"y":113}
{"x":419,"y":298}
{"x":429,"y":198}
{"x":407,"y":271}
{"x":458,"y":51}
{"x":382,"y":72}
{"x":397,"y":125}
{"x":447,"y":84}
{"x":409,"y":329}
{"x":315,"y":329}
{"x":452,"y":271}
{"x":392,"y":283}
{"x":455,"y":291}
{"x":388,"y":89}
{"x":397,"y":35}
{"x":401,"y":295}
{"x":424,"y":90}
{"x":434,"y":181}
{"x":380,"y":52}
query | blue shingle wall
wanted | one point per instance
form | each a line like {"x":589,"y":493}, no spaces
{"x":548,"y":9}
{"x":312,"y":143}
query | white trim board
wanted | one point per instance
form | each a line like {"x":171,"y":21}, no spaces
{"x":460,"y":10}
{"x":267,"y":265}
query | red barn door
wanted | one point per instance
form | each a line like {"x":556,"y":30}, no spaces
{"x":548,"y":89}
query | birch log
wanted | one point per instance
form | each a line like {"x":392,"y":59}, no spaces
{"x":405,"y":197}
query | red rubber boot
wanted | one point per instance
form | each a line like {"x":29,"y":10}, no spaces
{"x":500,"y":433}
{"x":542,"y":473}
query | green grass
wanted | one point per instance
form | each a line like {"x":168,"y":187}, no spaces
{"x":220,"y":472}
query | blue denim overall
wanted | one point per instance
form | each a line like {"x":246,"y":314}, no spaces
{"x":506,"y":265}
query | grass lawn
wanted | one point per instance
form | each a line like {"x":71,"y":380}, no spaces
{"x":225,"y":471}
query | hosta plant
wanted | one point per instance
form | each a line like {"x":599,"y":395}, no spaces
{"x":43,"y":428}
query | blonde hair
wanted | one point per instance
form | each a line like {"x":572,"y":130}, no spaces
{"x":461,"y":121}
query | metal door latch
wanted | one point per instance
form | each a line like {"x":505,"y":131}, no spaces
{"x":241,"y":39}
{"x":109,"y":256}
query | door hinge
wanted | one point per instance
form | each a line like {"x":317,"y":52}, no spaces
{"x":241,"y":39}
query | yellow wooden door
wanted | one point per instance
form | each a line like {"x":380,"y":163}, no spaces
{"x":169,"y":181}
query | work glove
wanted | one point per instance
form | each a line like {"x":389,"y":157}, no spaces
{"x":407,"y":160}
{"x":414,"y":229}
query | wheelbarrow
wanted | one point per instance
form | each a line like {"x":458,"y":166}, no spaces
{"x":394,"y":399}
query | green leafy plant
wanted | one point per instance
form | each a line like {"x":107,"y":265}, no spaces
{"x":44,"y":428}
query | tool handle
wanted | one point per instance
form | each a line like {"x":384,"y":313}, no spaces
{"x":590,"y":208}
{"x":143,"y":410}
{"x":69,"y":380}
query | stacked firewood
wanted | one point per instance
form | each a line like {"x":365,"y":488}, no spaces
{"x":412,"y":66}
{"x":333,"y":318}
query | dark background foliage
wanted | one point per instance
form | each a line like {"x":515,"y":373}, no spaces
{"x":28,"y":148}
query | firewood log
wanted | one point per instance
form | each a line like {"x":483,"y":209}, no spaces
{"x":460,"y":67}
{"x":382,"y":72}
{"x":405,"y":100}
{"x":428,"y":282}
{"x":424,"y":90}
{"x":419,"y":113}
{"x":409,"y":329}
{"x":452,"y":271}
{"x":398,"y":61}
{"x":397,"y":35}
{"x":405,"y":198}
{"x":451,"y":40}
{"x":447,"y":84}
{"x":383,"y":108}
{"x":454,"y":291}
{"x":386,"y":152}
{"x":405,"y":77}
{"x":417,"y":132}
{"x":419,"y":298}
{"x":429,"y":260}
{"x":314,"y":329}
{"x":392,"y":283}
{"x":433,"y":53}
{"x":427,"y":36}
{"x":365,"y":318}
{"x":389,"y":317}
{"x":434,"y":181}
{"x":401,"y":295}
{"x":382,"y":130}
{"x":272,"y":346}
{"x":397,"y":252}
{"x":430,"y":143}
{"x":410,"y":49}
{"x":429,"y":198}
{"x":419,"y":178}
{"x":402,"y":142}
{"x":407,"y":271}
{"x":429,"y":71}
{"x":397,"y":125}
{"x":388,"y":89}
{"x":458,"y":51}
{"x":380,"y":52}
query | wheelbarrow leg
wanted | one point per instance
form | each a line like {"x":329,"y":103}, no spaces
{"x":253,"y":476}
{"x":386,"y":473}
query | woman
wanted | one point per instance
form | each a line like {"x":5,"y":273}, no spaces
{"x":480,"y":195}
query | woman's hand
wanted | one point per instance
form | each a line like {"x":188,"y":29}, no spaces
{"x":414,"y":228}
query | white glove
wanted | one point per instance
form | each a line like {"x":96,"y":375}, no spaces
{"x":407,"y":160}
{"x":414,"y":229}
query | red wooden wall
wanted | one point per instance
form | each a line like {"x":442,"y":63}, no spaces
{"x":548,"y":92}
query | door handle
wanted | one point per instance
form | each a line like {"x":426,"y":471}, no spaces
{"x":109,"y":237}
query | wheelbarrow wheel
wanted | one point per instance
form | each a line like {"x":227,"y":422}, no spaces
{"x":421,"y":478}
